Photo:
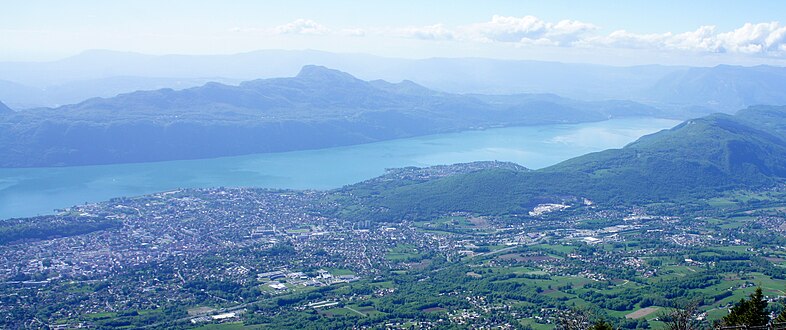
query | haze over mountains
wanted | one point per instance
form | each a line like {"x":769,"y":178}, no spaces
{"x":24,"y":96}
{"x":318,"y":108}
{"x":107,"y":73}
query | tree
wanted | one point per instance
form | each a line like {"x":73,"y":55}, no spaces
{"x":750,"y":312}
{"x":581,"y":319}
{"x":575,"y":319}
{"x":781,"y":318}
{"x":683,"y":317}
{"x":601,"y":325}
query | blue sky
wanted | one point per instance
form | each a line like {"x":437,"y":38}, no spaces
{"x":607,"y":32}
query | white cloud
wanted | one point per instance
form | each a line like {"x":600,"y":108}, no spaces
{"x":754,"y":38}
{"x":301,"y":26}
{"x":508,"y":29}
{"x":762,"y":38}
{"x":767,"y":39}
{"x":625,"y":39}
{"x":527,"y":29}
{"x":430,"y":32}
{"x":703,"y":39}
{"x":355,"y":32}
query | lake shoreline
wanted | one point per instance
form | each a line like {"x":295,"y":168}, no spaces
{"x":37,"y":191}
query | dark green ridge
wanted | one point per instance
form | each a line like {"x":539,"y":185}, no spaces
{"x":698,"y":158}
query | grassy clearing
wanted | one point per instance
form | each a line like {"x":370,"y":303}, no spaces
{"x":339,"y":271}
{"x":100,"y":316}
{"x":402,"y":252}
{"x":734,"y":248}
{"x":641,"y":313}
{"x":562,"y":249}
{"x":535,"y":325}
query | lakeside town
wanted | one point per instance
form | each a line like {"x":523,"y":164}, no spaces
{"x":229,"y":255}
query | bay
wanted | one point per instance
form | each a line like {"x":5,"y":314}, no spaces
{"x":37,"y":191}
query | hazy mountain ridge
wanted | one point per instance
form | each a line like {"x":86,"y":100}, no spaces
{"x":697,"y":159}
{"x":25,"y":97}
{"x":723,"y":87}
{"x":313,"y":86}
{"x":4,"y":109}
{"x":318,"y":108}
{"x":695,"y":90}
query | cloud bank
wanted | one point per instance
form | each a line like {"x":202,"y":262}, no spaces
{"x":527,"y":29}
{"x":301,"y":26}
{"x":767,"y":39}
{"x":761,"y":38}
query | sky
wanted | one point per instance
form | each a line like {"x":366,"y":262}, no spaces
{"x":696,"y":32}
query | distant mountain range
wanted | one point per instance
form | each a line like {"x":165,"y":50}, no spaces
{"x":699,"y":158}
{"x":685,"y":90}
{"x":25,"y":97}
{"x":318,"y":108}
{"x":723,"y":87}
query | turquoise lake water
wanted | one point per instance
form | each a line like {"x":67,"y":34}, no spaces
{"x":36,"y":191}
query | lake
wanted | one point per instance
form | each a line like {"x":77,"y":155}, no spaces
{"x":36,"y":191}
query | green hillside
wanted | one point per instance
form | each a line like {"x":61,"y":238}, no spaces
{"x":697,"y":159}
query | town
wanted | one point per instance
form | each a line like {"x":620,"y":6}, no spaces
{"x":249,"y":256}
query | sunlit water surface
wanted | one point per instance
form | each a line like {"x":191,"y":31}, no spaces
{"x":34,"y":191}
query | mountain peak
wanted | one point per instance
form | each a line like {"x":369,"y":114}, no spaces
{"x":323,"y":74}
{"x":404,"y":87}
{"x":4,"y":108}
